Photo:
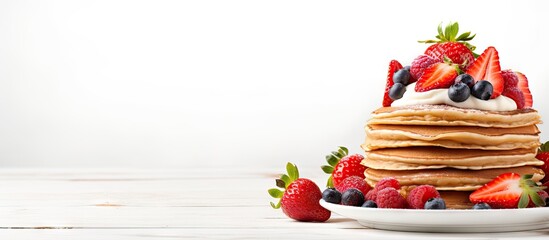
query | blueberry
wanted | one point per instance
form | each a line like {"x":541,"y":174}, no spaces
{"x":467,"y":79}
{"x":459,"y":92}
{"x":435,"y":204}
{"x":402,"y":76}
{"x":397,"y":91}
{"x":407,"y":68}
{"x":482,"y":90}
{"x":369,"y":204}
{"x":352,"y":197}
{"x":331,"y":195}
{"x":481,"y":206}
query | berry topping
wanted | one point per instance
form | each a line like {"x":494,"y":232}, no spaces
{"x":420,"y":64}
{"x":508,"y":190}
{"x":435,"y":204}
{"x":515,"y":94}
{"x":397,"y":91}
{"x":543,"y":155}
{"x":401,"y":76}
{"x":394,"y":66}
{"x":459,"y":92}
{"x":407,"y":68}
{"x":300,"y":198}
{"x":420,"y":194}
{"x":523,"y":86}
{"x":438,"y":75}
{"x":352,"y":197}
{"x":354,"y":182}
{"x":369,"y":204}
{"x":510,"y":79}
{"x":388,"y":182}
{"x":450,"y":45}
{"x":390,"y":198}
{"x":341,"y":166}
{"x":331,"y":195}
{"x":481,"y":206}
{"x":486,"y":67}
{"x":482,"y":90}
{"x":467,"y":79}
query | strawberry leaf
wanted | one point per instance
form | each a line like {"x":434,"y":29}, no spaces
{"x":337,"y":154}
{"x":544,"y":147}
{"x":275,"y":193}
{"x":286,"y":180}
{"x":524,"y":200}
{"x":330,"y":182}
{"x":327,"y":169}
{"x":536,"y":199}
{"x":277,"y":206}
{"x":332,"y":160}
{"x":343,"y":150}
{"x":280,"y":183}
{"x":292,"y":171}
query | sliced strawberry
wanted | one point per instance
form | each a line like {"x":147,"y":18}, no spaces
{"x":438,"y":75}
{"x":394,"y":66}
{"x":523,"y":86}
{"x":515,"y":94}
{"x":486,"y":67}
{"x":508,"y":190}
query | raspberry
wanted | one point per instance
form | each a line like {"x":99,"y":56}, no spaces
{"x":420,"y":64}
{"x":387,"y":182}
{"x":371,"y":195}
{"x":419,"y":195}
{"x":354,"y":182}
{"x":510,"y":79}
{"x":390,"y":198}
{"x":516,"y":95}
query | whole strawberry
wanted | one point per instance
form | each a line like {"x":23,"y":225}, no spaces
{"x":543,"y":155}
{"x":300,"y":199}
{"x":342,"y":166}
{"x":451,"y":46}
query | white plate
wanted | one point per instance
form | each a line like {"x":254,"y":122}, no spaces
{"x":493,"y":220}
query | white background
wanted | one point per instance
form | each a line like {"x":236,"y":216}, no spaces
{"x":173,"y":83}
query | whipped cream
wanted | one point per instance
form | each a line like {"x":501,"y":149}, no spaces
{"x":440,"y":96}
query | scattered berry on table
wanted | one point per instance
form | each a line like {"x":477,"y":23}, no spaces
{"x":369,"y":204}
{"x":397,"y":91}
{"x":435,"y":204}
{"x":459,"y":92}
{"x":354,"y":182}
{"x":481,"y":206}
{"x":390,"y":198}
{"x":482,"y":90}
{"x":352,"y":197}
{"x":419,"y":195}
{"x":299,"y":197}
{"x":331,"y":195}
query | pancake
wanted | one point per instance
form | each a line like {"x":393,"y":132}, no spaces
{"x":448,"y":178}
{"x":383,"y":136}
{"x":413,"y":158}
{"x":444,"y":115}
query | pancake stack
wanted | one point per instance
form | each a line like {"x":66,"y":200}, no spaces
{"x":456,"y":150}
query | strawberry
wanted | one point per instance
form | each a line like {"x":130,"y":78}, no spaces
{"x":543,"y":155}
{"x":508,"y":190}
{"x":394,"y":66}
{"x":523,"y":86}
{"x":342,"y":166}
{"x":516,"y":95}
{"x":300,"y":199}
{"x":438,"y":75}
{"x":451,"y":46}
{"x":486,"y":67}
{"x":420,"y":64}
{"x":543,"y":195}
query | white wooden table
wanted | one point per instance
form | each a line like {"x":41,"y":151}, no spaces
{"x":192,"y":203}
